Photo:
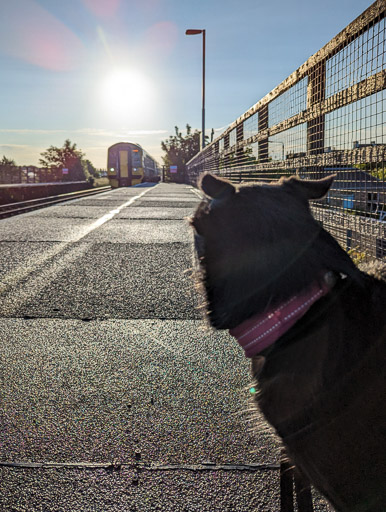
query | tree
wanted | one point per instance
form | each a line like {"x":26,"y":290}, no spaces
{"x":376,"y":169}
{"x":10,"y":173}
{"x":7,"y":162}
{"x":90,"y":169}
{"x":179,"y":150}
{"x":66,"y":157}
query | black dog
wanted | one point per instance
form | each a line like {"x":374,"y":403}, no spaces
{"x":313,"y":324}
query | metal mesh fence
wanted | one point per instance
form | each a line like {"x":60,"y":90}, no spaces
{"x":12,"y":174}
{"x":328,"y":117}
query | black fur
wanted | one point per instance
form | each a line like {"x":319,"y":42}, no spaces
{"x":262,"y":246}
{"x":323,"y":384}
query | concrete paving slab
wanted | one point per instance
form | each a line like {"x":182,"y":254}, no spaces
{"x":172,"y":391}
{"x":74,"y":211}
{"x":129,"y":191}
{"x":129,"y":490}
{"x":148,"y":491}
{"x":18,"y":256}
{"x":171,"y":188}
{"x":165,"y":204}
{"x":155,"y":213}
{"x":29,"y":228}
{"x":141,"y":231}
{"x":107,"y":281}
{"x":107,"y":203}
{"x":188,"y":198}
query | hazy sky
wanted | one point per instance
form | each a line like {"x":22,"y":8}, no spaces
{"x":104,"y":71}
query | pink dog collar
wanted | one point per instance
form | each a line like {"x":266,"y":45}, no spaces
{"x":262,"y":330}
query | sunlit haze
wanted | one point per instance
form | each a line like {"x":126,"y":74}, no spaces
{"x":126,"y":93}
{"x":99,"y":72}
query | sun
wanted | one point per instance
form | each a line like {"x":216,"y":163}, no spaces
{"x":126,"y":92}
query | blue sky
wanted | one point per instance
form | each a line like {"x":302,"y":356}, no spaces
{"x":103,"y":71}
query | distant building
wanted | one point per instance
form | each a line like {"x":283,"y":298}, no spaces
{"x":354,"y":189}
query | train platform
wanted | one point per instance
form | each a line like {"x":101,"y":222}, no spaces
{"x":115,"y":394}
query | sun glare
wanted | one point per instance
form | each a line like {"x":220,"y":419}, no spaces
{"x":127,"y":92}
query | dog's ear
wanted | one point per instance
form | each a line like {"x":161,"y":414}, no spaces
{"x":217,"y":188}
{"x":311,"y":189}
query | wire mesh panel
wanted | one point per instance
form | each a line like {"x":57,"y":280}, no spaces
{"x":289,"y":103}
{"x":251,"y":126}
{"x":328,"y":117}
{"x":12,"y":174}
{"x":360,"y":59}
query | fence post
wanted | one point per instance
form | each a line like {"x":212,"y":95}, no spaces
{"x":263,"y":126}
{"x":315,"y":96}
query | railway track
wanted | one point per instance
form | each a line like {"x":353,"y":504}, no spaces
{"x":10,"y":209}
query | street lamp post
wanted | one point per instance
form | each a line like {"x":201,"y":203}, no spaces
{"x":193,"y":32}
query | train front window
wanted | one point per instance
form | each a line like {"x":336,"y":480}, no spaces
{"x":136,"y":158}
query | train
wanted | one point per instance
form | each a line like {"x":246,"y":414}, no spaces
{"x":129,"y":164}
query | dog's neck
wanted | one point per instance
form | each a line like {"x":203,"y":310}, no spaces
{"x":262,"y":330}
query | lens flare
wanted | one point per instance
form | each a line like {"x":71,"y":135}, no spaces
{"x":102,"y":8}
{"x":40,"y":39}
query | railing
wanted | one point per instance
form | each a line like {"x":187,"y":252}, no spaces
{"x":12,"y":174}
{"x":328,"y":117}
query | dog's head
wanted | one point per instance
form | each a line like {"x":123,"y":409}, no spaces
{"x":258,"y":244}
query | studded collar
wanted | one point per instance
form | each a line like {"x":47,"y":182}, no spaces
{"x":262,"y":330}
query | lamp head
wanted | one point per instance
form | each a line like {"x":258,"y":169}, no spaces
{"x":193,"y":32}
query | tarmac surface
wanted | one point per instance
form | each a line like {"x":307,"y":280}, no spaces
{"x":115,"y":395}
